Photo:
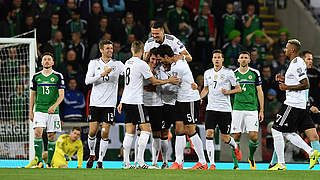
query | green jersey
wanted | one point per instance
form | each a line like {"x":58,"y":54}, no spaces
{"x":256,"y":24}
{"x":47,"y":88}
{"x":247,"y":99}
{"x":229,"y":23}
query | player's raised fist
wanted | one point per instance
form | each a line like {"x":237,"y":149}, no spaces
{"x":279,"y":78}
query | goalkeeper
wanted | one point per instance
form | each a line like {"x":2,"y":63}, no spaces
{"x":66,"y":146}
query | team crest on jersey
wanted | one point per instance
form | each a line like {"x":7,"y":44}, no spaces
{"x":250,"y":77}
{"x":113,"y":68}
{"x":52,"y":79}
{"x":215,"y":77}
{"x":222,"y":76}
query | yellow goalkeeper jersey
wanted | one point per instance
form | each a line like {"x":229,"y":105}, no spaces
{"x":64,"y":146}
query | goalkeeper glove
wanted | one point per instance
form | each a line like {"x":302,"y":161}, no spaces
{"x":66,"y":157}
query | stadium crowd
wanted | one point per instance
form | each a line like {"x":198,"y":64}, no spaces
{"x":72,"y":29}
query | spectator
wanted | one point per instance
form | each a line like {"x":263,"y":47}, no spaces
{"x":177,"y":17}
{"x":130,"y":27}
{"x":24,"y":77}
{"x":232,"y":49}
{"x":114,"y":10}
{"x":258,"y":44}
{"x":271,"y":106}
{"x":47,"y":29}
{"x":78,"y":46}
{"x":280,"y":45}
{"x":254,"y":63}
{"x":251,"y":22}
{"x":280,"y":65}
{"x":58,"y":47}
{"x":205,"y":33}
{"x":230,"y":22}
{"x":93,"y":22}
{"x":41,"y":9}
{"x":17,"y":15}
{"x":65,"y":13}
{"x":100,"y":30}
{"x":8,"y":29}
{"x":54,"y":24}
{"x":268,"y":80}
{"x":117,"y":54}
{"x":18,"y":105}
{"x":29,"y":24}
{"x":74,"y":103}
{"x":75,"y":24}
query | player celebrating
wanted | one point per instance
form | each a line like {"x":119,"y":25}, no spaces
{"x":103,"y":73}
{"x":47,"y":92}
{"x":67,"y":145}
{"x":293,"y":114}
{"x":159,"y":37}
{"x":217,"y":82}
{"x":187,"y":106}
{"x":132,"y":103}
{"x":245,"y":116}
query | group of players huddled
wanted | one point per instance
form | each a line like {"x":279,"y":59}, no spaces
{"x":159,"y":91}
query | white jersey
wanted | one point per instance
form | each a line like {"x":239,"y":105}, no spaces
{"x":175,"y":44}
{"x":297,"y":71}
{"x":215,"y":81}
{"x":105,"y":89}
{"x":135,"y":70}
{"x":168,"y":91}
{"x":185,"y":93}
{"x":152,"y":98}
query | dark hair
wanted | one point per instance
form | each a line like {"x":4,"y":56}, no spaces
{"x":153,"y":51}
{"x":157,"y":25}
{"x":303,"y":54}
{"x":165,"y":49}
{"x":104,"y":42}
{"x":76,"y":128}
{"x":218,"y":51}
{"x":48,"y":54}
{"x":244,"y":52}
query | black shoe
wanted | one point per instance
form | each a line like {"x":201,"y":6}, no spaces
{"x":99,"y":165}
{"x":90,"y":161}
{"x":271,"y":165}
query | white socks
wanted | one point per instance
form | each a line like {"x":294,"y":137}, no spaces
{"x":179,"y":148}
{"x":136,"y":149}
{"x":164,"y":150}
{"x":210,"y":150}
{"x":127,"y":142}
{"x":278,"y":143}
{"x":232,"y":143}
{"x":296,"y":140}
{"x":92,"y":145}
{"x":103,"y":148}
{"x":142,"y":143}
{"x":198,"y":147}
{"x":155,"y":149}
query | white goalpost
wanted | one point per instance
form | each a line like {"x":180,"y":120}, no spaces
{"x":17,"y":66}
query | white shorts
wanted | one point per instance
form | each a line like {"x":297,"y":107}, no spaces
{"x":244,"y":121}
{"x":50,"y":121}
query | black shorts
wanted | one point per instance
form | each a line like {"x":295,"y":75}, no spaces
{"x":223,"y":119}
{"x":169,"y":116}
{"x":155,"y":117}
{"x":101,"y":114}
{"x":135,"y":114}
{"x":291,"y":119}
{"x":188,"y":112}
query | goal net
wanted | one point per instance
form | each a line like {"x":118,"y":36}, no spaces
{"x":17,"y":65}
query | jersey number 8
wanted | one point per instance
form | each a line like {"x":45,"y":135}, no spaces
{"x":127,"y":77}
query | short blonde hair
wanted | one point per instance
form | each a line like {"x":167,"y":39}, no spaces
{"x":296,"y":43}
{"x":137,"y":46}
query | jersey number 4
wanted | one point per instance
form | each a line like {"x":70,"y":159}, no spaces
{"x":127,"y":76}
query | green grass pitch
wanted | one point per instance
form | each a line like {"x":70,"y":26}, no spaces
{"x":140,"y":174}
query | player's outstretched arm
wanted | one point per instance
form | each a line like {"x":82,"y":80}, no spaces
{"x":261,"y":102}
{"x":173,"y":80}
{"x":188,"y":57}
{"x":304,"y":84}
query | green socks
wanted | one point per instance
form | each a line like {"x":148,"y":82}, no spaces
{"x":252,"y":149}
{"x":51,"y":147}
{"x":235,"y":160}
{"x":38,"y":148}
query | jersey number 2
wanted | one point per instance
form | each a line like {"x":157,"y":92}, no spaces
{"x":127,"y":78}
